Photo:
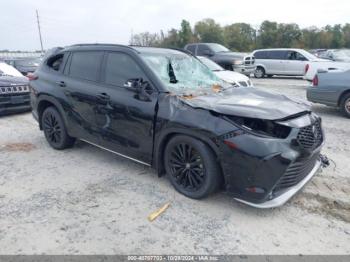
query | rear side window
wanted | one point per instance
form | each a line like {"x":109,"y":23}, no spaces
{"x":120,"y":68}
{"x":278,"y":55}
{"x":85,"y":65}
{"x":192,"y":49}
{"x":55,"y":62}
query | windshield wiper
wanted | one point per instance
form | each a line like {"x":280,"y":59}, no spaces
{"x":171,"y":73}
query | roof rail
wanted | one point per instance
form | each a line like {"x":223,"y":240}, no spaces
{"x":100,"y":44}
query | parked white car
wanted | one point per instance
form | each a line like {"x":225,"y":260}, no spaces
{"x":234,"y":78}
{"x":282,"y":61}
{"x":313,"y":67}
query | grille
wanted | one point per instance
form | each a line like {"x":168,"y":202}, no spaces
{"x":310,"y":137}
{"x":249,"y":60}
{"x":296,"y":172}
{"x":14,"y":89}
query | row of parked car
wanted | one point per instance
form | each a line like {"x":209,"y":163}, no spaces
{"x":329,"y":75}
{"x":14,"y":88}
{"x":272,"y":62}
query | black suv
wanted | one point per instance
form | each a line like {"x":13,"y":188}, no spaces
{"x":165,"y":109}
{"x":233,"y":61}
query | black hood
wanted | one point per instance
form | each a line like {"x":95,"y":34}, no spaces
{"x":249,"y":102}
{"x":13,"y":80}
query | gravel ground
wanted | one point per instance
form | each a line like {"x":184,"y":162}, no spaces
{"x":88,"y":201}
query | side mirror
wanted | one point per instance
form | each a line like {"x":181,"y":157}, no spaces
{"x":142,"y":88}
{"x":133,"y":84}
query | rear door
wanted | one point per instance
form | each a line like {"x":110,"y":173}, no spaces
{"x":125,"y":120}
{"x":276,"y":62}
{"x":295,"y":63}
{"x":81,"y":87}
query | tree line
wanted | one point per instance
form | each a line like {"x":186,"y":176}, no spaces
{"x":244,"y":37}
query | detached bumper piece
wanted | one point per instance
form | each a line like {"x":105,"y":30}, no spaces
{"x":286,"y":195}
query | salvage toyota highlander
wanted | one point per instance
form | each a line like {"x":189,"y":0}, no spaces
{"x":165,"y":109}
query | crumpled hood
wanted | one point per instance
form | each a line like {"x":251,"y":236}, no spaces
{"x":249,"y":102}
{"x":230,"y":76}
{"x":13,"y":80}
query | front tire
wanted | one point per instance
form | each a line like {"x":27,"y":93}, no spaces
{"x":259,"y":72}
{"x":55,"y":130}
{"x":191,"y":167}
{"x":345,"y":105}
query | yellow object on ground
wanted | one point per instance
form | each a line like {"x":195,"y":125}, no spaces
{"x":155,"y":214}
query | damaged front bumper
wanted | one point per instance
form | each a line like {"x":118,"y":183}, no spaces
{"x":283,"y":198}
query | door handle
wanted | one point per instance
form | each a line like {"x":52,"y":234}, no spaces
{"x":103,"y":97}
{"x":61,"y":83}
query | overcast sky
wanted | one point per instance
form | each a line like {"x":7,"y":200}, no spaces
{"x":66,"y":22}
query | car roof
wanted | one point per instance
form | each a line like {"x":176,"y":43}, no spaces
{"x":111,"y":47}
{"x":280,"y":49}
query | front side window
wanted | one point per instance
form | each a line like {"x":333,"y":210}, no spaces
{"x":55,"y":62}
{"x":217,"y":48}
{"x":120,"y":68}
{"x":85,"y":65}
{"x":182,"y":73}
{"x":203,"y":50}
{"x":292,"y":55}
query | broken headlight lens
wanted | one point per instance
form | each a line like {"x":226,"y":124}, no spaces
{"x":261,"y":127}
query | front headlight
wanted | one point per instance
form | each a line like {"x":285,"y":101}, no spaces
{"x":260,"y":127}
{"x":238,"y":62}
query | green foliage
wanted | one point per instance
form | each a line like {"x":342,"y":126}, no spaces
{"x":243,"y":37}
{"x":239,"y":37}
{"x":208,"y":31}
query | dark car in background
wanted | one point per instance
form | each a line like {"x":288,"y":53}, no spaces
{"x":331,"y":88}
{"x":165,"y":109}
{"x":339,"y":55}
{"x":24,"y":65}
{"x":239,"y":62}
{"x":14,"y":90}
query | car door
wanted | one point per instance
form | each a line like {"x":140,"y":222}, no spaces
{"x":81,"y":87}
{"x":276,"y":62}
{"x":295,"y":63}
{"x":125,"y":121}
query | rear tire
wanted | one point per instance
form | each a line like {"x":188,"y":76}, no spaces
{"x":191,"y":167}
{"x":345,"y":105}
{"x":259,"y":72}
{"x":55,"y":130}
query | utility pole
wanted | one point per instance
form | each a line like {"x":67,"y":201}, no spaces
{"x":41,"y":41}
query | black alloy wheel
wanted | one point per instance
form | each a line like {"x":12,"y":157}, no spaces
{"x":187,"y":167}
{"x":191,"y":167}
{"x":55,"y":130}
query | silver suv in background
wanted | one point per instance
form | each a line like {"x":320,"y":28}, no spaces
{"x":282,"y":61}
{"x":234,"y":61}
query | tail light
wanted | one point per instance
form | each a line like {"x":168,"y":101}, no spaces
{"x":32,"y":76}
{"x":307,"y":68}
{"x":315,"y":81}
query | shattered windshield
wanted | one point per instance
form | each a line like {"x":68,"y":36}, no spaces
{"x":183,"y":74}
